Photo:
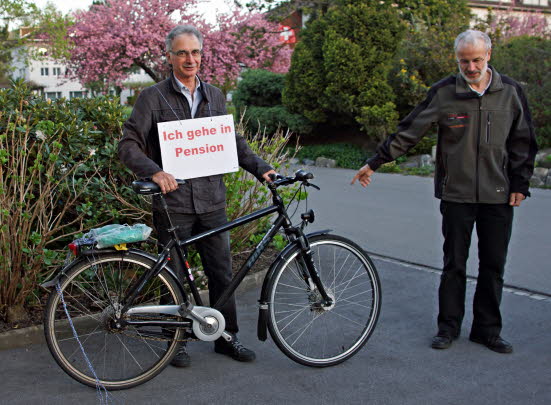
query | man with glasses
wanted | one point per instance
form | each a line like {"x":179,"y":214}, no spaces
{"x":199,"y":205}
{"x":484,"y":160}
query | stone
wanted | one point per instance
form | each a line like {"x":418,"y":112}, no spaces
{"x":541,"y":172}
{"x":294,"y":161}
{"x":325,"y":162}
{"x":16,"y":314}
{"x":548,"y":180}
{"x":536,"y":181}
{"x":308,"y":162}
{"x":543,"y":158}
{"x":425,"y":161}
{"x":417,"y":162}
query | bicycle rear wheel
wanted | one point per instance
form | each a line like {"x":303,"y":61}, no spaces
{"x":92,"y":292}
{"x":305,"y":330}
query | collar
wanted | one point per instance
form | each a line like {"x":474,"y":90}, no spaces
{"x":463,"y":90}
{"x":176,"y":85}
{"x":182,"y":87}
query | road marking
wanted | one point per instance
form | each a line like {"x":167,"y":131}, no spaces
{"x":532,"y":294}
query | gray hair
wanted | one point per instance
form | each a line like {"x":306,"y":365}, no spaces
{"x":471,"y":37}
{"x":182,"y":30}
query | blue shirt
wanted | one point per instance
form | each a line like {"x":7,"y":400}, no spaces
{"x":197,"y":96}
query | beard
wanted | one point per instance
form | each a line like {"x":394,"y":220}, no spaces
{"x":483,"y":72}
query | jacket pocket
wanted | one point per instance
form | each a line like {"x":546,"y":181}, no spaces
{"x":454,"y":126}
{"x":498,"y":126}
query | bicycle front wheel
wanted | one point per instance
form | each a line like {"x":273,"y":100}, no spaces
{"x":302,"y":327}
{"x":79,"y":322}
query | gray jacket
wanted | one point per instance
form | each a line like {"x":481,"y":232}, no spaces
{"x":486,"y":145}
{"x":139,"y":147}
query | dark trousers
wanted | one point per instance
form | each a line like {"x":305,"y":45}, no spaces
{"x":493,"y":227}
{"x":214,"y":252}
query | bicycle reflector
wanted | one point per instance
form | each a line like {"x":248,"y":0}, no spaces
{"x":73,"y":247}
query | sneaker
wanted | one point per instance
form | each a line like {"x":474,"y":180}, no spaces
{"x":182,"y":357}
{"x":234,"y":349}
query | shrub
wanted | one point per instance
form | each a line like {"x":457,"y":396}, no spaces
{"x":510,"y":59}
{"x":60,"y":176}
{"x":260,"y":88}
{"x":347,"y":156}
{"x":258,"y":98}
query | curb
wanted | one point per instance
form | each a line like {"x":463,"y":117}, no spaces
{"x":35,"y":334}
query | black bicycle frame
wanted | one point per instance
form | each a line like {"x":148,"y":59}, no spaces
{"x":281,"y":221}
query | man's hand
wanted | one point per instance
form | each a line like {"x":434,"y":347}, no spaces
{"x":363,"y":176}
{"x":515,"y":199}
{"x":166,"y":181}
{"x":266,"y":175}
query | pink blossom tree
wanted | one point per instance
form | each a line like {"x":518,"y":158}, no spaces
{"x":241,"y":39}
{"x":111,"y":39}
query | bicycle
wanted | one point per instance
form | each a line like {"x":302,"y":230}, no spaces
{"x":127,"y":309}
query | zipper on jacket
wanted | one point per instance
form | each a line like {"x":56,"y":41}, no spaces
{"x":488,"y":125}
{"x":478,"y":146}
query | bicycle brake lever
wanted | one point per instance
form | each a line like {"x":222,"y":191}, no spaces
{"x":313,"y":185}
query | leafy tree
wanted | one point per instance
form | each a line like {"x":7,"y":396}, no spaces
{"x":426,"y":53}
{"x":110,"y":39}
{"x":516,"y":57}
{"x":339,"y":69}
{"x":12,"y":11}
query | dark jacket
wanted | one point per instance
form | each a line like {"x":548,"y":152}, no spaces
{"x":139,"y":147}
{"x":486,"y":145}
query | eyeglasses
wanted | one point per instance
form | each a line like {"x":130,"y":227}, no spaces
{"x":196,"y":53}
{"x":466,"y":62}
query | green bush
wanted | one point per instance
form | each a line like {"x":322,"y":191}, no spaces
{"x":260,"y":88}
{"x":346,"y":155}
{"x":339,"y":69}
{"x":60,"y":176}
{"x":270,"y":119}
{"x":258,"y":99}
{"x":510,"y":58}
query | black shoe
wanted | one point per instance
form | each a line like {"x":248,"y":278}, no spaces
{"x":182,"y":357}
{"x":442,"y":340}
{"x":234,"y":349}
{"x":495,"y":343}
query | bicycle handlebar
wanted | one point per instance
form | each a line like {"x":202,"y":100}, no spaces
{"x":300,"y":175}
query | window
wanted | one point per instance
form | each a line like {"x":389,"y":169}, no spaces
{"x":44,"y":71}
{"x":535,"y":2}
{"x":52,"y":95}
{"x":77,"y":94}
{"x":57,"y":71}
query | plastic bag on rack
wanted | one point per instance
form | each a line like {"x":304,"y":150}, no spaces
{"x":115,"y":234}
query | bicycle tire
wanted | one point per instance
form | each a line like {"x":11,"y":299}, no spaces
{"x":305,"y":331}
{"x":91,"y":291}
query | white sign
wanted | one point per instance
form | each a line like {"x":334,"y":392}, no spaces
{"x":198,"y":147}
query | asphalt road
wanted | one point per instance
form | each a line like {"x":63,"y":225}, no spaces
{"x":396,"y":367}
{"x":397,"y":216}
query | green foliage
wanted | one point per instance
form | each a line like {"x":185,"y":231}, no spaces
{"x":270,"y":119}
{"x":426,"y":53}
{"x":260,"y":88}
{"x":60,"y":176}
{"x":339,"y":68}
{"x":346,"y":155}
{"x":515,"y":58}
{"x":258,"y":99}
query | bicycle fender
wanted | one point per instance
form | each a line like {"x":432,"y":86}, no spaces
{"x":53,"y":281}
{"x":262,"y":325}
